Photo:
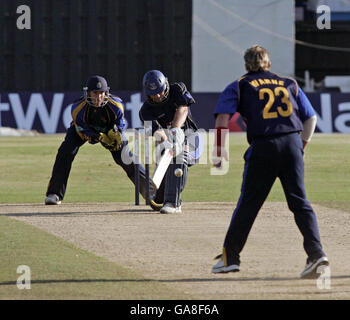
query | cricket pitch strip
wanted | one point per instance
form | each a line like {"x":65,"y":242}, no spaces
{"x":179,"y":250}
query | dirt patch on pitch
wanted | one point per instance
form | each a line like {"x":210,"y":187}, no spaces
{"x":178,"y":250}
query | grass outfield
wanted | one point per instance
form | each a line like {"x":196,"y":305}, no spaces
{"x":64,"y":271}
{"x":27,"y":162}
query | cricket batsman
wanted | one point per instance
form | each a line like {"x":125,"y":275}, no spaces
{"x":168,"y":109}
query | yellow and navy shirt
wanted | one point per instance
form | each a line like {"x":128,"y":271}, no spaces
{"x":89,"y":121}
{"x":268,"y":103}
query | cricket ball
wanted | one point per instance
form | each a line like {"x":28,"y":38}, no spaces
{"x":178,"y":172}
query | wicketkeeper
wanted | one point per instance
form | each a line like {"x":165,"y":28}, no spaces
{"x":98,"y":117}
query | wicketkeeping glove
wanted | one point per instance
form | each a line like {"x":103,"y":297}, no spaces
{"x":112,"y":140}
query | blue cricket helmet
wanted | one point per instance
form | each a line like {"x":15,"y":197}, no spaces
{"x":155,"y":82}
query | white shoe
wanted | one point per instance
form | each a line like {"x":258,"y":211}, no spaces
{"x":170,"y":208}
{"x":221,"y":268}
{"x":310,"y":271}
{"x":52,"y":199}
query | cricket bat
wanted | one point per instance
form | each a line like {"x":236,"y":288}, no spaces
{"x":161,"y":168}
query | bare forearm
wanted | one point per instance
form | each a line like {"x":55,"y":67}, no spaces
{"x":180,"y":116}
{"x":309,"y":128}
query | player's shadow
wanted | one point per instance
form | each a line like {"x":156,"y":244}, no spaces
{"x":82,"y":213}
{"x":148,"y":211}
{"x":185,"y":280}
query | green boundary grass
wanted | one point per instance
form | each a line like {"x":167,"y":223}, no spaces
{"x":27,"y":163}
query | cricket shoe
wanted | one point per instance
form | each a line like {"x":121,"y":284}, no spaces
{"x":311,"y":270}
{"x":221,"y":268}
{"x":170,"y":208}
{"x":52,"y":199}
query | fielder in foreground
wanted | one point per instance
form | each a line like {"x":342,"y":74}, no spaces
{"x":167,"y":108}
{"x":98,"y":117}
{"x":280,"y":122}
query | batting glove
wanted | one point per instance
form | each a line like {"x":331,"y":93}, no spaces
{"x":177,"y":137}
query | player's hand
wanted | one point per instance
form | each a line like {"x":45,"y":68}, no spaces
{"x":94,"y":138}
{"x":304,"y":144}
{"x":112,"y":140}
{"x":106,"y":141}
{"x":160,"y":135}
{"x":176,"y":137}
{"x":219,"y":153}
{"x":116,"y":137}
{"x":167,"y":145}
